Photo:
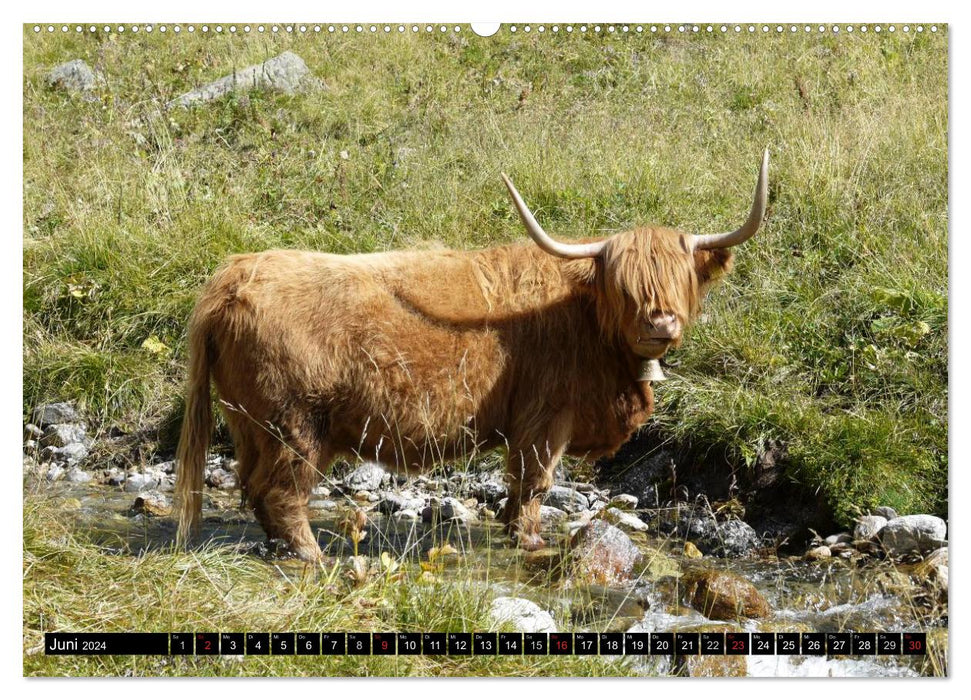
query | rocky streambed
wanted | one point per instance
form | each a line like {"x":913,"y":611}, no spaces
{"x":614,"y":563}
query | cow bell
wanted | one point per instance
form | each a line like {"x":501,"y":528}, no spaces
{"x":651,"y":371}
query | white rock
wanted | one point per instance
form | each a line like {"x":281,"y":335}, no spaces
{"x":521,"y":614}
{"x":625,"y":520}
{"x":910,"y":533}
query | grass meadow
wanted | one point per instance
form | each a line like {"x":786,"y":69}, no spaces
{"x":830,"y":336}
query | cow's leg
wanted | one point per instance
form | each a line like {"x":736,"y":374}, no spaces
{"x":279,"y":491}
{"x":530,"y":466}
{"x":246,"y":449}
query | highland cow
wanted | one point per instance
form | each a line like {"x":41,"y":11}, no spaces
{"x":411,"y":358}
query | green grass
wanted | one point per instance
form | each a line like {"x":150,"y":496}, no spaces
{"x":830,"y":336}
{"x":73,"y":584}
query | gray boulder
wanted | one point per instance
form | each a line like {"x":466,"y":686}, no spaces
{"x":731,"y":538}
{"x":521,"y":615}
{"x":74,"y":76}
{"x":71,"y":454}
{"x":566,"y":499}
{"x":868,"y":526}
{"x":51,"y":413}
{"x":913,"y":533}
{"x":286,"y":73}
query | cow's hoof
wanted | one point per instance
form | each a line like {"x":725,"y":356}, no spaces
{"x":530,"y":543}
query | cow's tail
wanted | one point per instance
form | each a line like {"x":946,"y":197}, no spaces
{"x":196,"y":432}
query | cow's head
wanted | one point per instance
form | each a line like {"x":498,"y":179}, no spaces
{"x":650,"y":281}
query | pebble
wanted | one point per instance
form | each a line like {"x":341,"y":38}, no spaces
{"x":551,"y":514}
{"x":54,"y":473}
{"x":406,"y":515}
{"x":32,"y":431}
{"x":322,"y":504}
{"x":836,"y":539}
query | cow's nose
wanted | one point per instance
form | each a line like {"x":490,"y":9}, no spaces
{"x":664,"y":326}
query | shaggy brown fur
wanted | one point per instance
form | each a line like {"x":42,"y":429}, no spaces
{"x":409,"y":358}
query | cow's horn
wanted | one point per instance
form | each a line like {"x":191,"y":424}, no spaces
{"x":536,"y":232}
{"x":751,"y":225}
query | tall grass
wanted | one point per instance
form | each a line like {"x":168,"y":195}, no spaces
{"x":831,"y":335}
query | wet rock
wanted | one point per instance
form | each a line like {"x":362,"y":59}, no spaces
{"x":151,"y":503}
{"x":367,"y":477}
{"x":709,"y":666}
{"x":406,"y":515}
{"x":390,"y":502}
{"x":566,"y":499}
{"x":624,"y":520}
{"x":913,"y":533}
{"x":72,"y":454}
{"x":623,"y":501}
{"x":222,"y":479}
{"x":691,"y":552}
{"x":52,"y":413}
{"x":520,"y":615}
{"x":868,"y":526}
{"x":601,"y":553}
{"x":489,"y":491}
{"x":731,"y":538}
{"x":115,"y":477}
{"x":886,"y":512}
{"x":722,"y":595}
{"x":74,"y":76}
{"x":286,"y":73}
{"x":54,"y":473}
{"x":818,"y":553}
{"x":447,"y":509}
{"x":322,"y":504}
{"x":932,"y":574}
{"x":61,"y":434}
{"x":140,"y":482}
{"x":77,"y":476}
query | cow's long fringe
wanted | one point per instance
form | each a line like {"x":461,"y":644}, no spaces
{"x":196,"y":432}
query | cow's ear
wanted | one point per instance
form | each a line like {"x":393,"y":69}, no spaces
{"x":712,"y":264}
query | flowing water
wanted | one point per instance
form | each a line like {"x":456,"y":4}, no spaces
{"x":831,"y":596}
